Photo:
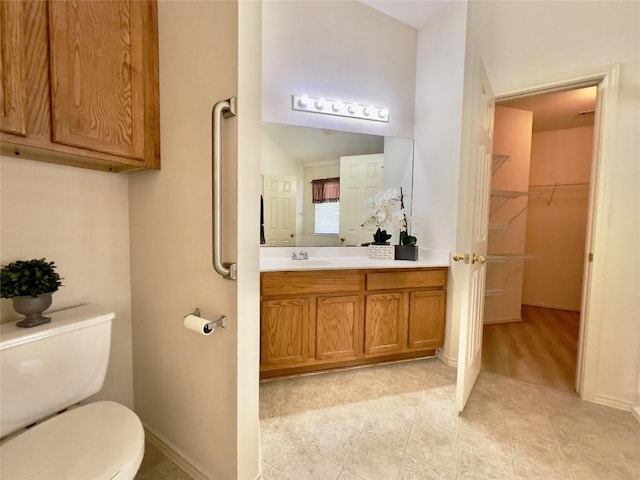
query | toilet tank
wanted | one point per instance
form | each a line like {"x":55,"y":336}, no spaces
{"x":48,"y":368}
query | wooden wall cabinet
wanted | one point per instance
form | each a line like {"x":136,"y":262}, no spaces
{"x":315,"y":320}
{"x":79,"y":83}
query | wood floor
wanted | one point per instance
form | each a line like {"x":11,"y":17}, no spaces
{"x":542,"y":349}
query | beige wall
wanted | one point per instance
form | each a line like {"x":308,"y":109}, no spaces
{"x":530,"y":42}
{"x":512,"y":136}
{"x":79,"y":219}
{"x":557,"y":219}
{"x":198,"y":394}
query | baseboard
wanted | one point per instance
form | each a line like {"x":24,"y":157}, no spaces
{"x":635,"y":410}
{"x":172,"y":454}
{"x":502,"y":320}
{"x":452,"y":362}
{"x":555,"y":307}
{"x":612,"y":402}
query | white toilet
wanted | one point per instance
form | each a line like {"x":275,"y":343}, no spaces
{"x":47,"y":369}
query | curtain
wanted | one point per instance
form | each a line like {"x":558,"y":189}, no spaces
{"x":326,"y":190}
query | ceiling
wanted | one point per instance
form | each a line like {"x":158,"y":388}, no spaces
{"x":315,"y":146}
{"x":559,"y":110}
{"x":412,"y":12}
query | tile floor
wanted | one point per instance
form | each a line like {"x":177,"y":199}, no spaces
{"x":155,"y":466}
{"x":398,"y":421}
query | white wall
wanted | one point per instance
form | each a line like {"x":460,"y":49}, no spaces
{"x":79,"y":219}
{"x":529,"y":42}
{"x":339,"y":50}
{"x":438,"y":129}
{"x":557,"y":218}
{"x":197,"y":394}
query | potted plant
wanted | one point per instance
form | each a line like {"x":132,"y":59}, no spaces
{"x":30,"y":283}
{"x":382,"y":211}
{"x":406,"y":248}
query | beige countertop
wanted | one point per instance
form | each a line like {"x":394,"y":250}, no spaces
{"x":274,"y":259}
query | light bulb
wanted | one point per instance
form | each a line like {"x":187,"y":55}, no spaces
{"x":384,"y":112}
{"x":320,"y":104}
{"x":337,"y":105}
{"x":303,"y":101}
{"x":366,"y":111}
{"x":351,"y":109}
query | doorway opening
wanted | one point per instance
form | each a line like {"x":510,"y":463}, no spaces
{"x":539,"y":222}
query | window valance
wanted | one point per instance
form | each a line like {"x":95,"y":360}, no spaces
{"x":326,"y":190}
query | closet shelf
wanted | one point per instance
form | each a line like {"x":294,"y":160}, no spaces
{"x":512,"y":193}
{"x":497,"y":161}
{"x":493,"y":292}
{"x":508,"y":257}
{"x":498,"y":226}
{"x":555,"y":186}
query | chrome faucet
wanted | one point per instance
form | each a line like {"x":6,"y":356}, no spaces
{"x":302,"y":255}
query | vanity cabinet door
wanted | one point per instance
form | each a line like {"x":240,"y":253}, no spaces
{"x":12,"y":85}
{"x":384,"y":324}
{"x":79,"y":83}
{"x":426,"y":320}
{"x":338,"y":328}
{"x":284,"y":332}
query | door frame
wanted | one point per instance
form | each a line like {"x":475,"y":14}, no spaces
{"x":604,"y":133}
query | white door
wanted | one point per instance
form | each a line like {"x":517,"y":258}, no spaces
{"x":473,"y":229}
{"x":360,"y":178}
{"x":279,"y":210}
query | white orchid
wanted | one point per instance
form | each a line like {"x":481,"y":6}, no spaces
{"x":383,"y":210}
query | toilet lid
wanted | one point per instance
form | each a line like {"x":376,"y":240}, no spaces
{"x":94,"y":441}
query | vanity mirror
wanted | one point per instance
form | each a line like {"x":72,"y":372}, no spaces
{"x":315,"y":181}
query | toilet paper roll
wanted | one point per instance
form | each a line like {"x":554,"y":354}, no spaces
{"x":198,"y":324}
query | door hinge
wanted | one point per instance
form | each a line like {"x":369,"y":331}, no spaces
{"x":591,"y":256}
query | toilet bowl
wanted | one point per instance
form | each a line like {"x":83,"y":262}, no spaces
{"x":51,"y":368}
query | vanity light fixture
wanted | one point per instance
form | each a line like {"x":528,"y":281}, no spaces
{"x":304,"y":103}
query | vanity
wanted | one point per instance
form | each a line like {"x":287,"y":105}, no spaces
{"x":339,"y":308}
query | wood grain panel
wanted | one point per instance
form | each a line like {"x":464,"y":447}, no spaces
{"x":435,"y":278}
{"x":383,"y":323}
{"x":104,"y":112}
{"x":338,"y":328}
{"x":284,"y":331}
{"x":541,"y":349}
{"x":426,"y":319}
{"x":12,"y":74}
{"x":309,"y":282}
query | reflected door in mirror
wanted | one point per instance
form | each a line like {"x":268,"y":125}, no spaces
{"x":360,"y":178}
{"x":280,"y":210}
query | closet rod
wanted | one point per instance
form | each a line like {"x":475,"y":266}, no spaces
{"x":550,"y":185}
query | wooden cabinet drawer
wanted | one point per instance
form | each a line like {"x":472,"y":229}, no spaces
{"x":436,"y":278}
{"x":310,"y":283}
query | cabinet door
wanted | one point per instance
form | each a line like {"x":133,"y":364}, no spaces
{"x":101,"y":87}
{"x":383,"y":323}
{"x":12,"y":80}
{"x":338,"y":328}
{"x":284,"y":332}
{"x":426,"y":320}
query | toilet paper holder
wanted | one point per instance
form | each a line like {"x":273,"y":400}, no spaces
{"x":220,"y":322}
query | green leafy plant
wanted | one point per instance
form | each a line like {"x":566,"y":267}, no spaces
{"x":29,"y":277}
{"x":381,"y":236}
{"x":406,"y":239}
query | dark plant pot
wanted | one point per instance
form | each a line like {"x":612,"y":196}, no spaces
{"x":406,"y":252}
{"x":32,"y":308}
